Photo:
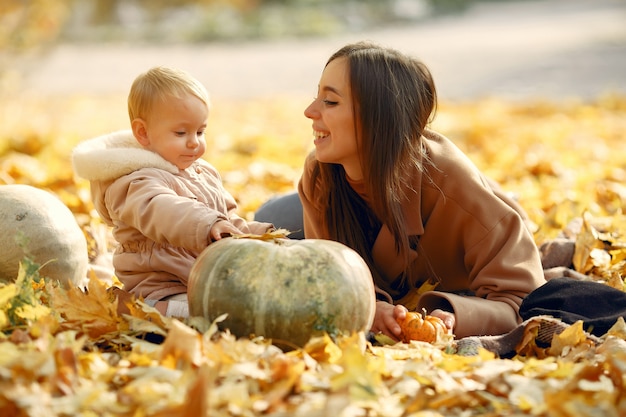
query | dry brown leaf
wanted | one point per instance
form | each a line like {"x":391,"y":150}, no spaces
{"x":182,"y":346}
{"x":528,"y":345}
{"x":93,"y":311}
{"x":271,"y":235}
{"x":196,"y":403}
{"x":586,"y":241}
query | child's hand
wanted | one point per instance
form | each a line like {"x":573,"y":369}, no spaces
{"x":222,"y":228}
{"x":385,"y":319}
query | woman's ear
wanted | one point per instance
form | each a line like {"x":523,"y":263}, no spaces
{"x":140,"y":131}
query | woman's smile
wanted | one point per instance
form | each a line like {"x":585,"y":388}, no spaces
{"x":319,"y":136}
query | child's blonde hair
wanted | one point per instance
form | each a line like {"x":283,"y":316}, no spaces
{"x":161,"y":83}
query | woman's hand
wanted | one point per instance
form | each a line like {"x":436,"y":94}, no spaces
{"x":385,"y":319}
{"x":387,"y":316}
{"x":449,"y":319}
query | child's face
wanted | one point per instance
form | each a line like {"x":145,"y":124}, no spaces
{"x":175,"y":130}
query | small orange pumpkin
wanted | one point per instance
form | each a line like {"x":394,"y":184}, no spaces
{"x":421,"y":326}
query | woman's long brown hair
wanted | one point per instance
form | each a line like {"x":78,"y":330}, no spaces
{"x":394,"y":98}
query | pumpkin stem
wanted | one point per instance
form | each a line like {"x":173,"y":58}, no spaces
{"x":424,"y":313}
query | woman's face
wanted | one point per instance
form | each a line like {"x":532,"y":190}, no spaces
{"x":335,"y":137}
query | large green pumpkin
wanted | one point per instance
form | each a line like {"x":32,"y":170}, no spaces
{"x":284,"y":290}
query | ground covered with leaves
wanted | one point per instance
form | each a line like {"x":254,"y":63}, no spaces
{"x":65,"y":352}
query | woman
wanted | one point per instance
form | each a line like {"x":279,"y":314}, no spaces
{"x":409,"y":201}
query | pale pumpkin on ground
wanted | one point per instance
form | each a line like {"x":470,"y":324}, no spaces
{"x":36,"y":222}
{"x":281,"y":289}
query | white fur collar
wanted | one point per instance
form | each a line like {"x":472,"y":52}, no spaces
{"x":113,"y":155}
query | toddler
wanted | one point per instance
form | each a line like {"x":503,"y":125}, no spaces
{"x":164,"y":203}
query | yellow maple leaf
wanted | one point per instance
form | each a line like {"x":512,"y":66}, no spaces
{"x":32,"y":312}
{"x":527,"y":346}
{"x":197,"y":401}
{"x":586,"y":241}
{"x":21,"y":302}
{"x":618,"y":255}
{"x":91,"y":311}
{"x":411,"y":300}
{"x":323,"y":349}
{"x":147,"y":319}
{"x":362,"y":373}
{"x":183,"y":345}
{"x":4,"y":319}
{"x":618,"y":329}
{"x":7,"y":292}
{"x":571,"y":336}
{"x":285,"y":372}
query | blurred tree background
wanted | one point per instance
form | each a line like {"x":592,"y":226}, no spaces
{"x":25,"y":24}
{"x":30,"y":27}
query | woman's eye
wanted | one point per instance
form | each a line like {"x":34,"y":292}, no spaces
{"x":330,"y":103}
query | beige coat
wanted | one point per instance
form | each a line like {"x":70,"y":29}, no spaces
{"x":160,"y":215}
{"x":471,"y":238}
